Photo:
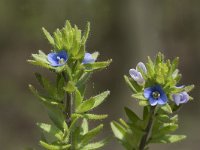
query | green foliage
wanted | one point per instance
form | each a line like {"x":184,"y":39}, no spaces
{"x":158,"y":122}
{"x":91,"y":103}
{"x":68,"y":108}
{"x":73,"y":42}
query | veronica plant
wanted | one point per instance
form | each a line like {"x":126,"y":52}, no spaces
{"x":155,"y":87}
{"x":64,"y":99}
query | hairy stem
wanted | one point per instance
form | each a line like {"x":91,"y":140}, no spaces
{"x":68,"y":107}
{"x":68,"y":103}
{"x":147,"y":129}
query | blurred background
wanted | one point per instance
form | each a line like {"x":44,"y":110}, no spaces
{"x":125,"y":30}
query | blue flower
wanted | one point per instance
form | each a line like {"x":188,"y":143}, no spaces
{"x":155,"y":95}
{"x":57,"y":59}
{"x":180,"y":98}
{"x":136,"y":74}
{"x":88,"y":58}
{"x":142,"y":67}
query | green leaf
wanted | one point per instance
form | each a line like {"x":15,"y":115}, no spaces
{"x":48,"y":36}
{"x":90,"y":134}
{"x":73,"y":123}
{"x":139,"y":96}
{"x":95,"y":145}
{"x":165,"y":129}
{"x":86,"y":33}
{"x":52,"y":91}
{"x":143,"y":103}
{"x":159,"y":58}
{"x":168,"y":139}
{"x":58,"y":39}
{"x":43,"y":99}
{"x":83,"y":79}
{"x":70,"y":87}
{"x":76,"y":138}
{"x":123,"y":123}
{"x":118,"y":130}
{"x":40,"y":63}
{"x":57,"y":118}
{"x":95,"y":55}
{"x":131,"y":115}
{"x":97,"y":65}
{"x":54,"y":147}
{"x":40,"y":60}
{"x":78,"y":98}
{"x":85,"y":106}
{"x":174,"y":119}
{"x":122,"y":135}
{"x":90,"y":116}
{"x":174,"y":64}
{"x":150,"y":68}
{"x":92,"y":102}
{"x":84,"y":126}
{"x":166,"y":108}
{"x":71,"y":130}
{"x":81,"y":83}
{"x":130,"y":84}
{"x":68,"y":71}
{"x":189,"y":88}
{"x":163,"y":118}
{"x":51,"y":129}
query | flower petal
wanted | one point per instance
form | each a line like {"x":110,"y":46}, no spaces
{"x":88,"y":58}
{"x":180,"y":98}
{"x":134,"y":73}
{"x":142,"y":67}
{"x":148,"y":92}
{"x":162,"y":101}
{"x":137,"y":76}
{"x":176,"y":98}
{"x":63,"y":54}
{"x":164,"y":98}
{"x":52,"y":59}
{"x":152,"y":101}
{"x":185,"y":97}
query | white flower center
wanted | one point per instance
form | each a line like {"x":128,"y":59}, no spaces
{"x":60,"y":60}
{"x":156,"y":95}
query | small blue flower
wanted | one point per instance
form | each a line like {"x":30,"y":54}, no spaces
{"x":57,"y":59}
{"x":142,"y":67}
{"x":88,"y":59}
{"x":155,"y":95}
{"x":137,"y":76}
{"x":180,"y":98}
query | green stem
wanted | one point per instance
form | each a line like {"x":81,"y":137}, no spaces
{"x":68,"y":103}
{"x":147,"y":129}
{"x":68,"y":107}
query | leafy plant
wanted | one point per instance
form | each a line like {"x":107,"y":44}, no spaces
{"x":155,"y":87}
{"x":65,"y":101}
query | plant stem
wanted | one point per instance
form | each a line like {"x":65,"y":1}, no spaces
{"x":68,"y":104}
{"x":147,"y":129}
{"x":68,"y":108}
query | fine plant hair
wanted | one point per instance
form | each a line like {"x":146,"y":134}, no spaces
{"x":64,"y":98}
{"x":156,"y":88}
